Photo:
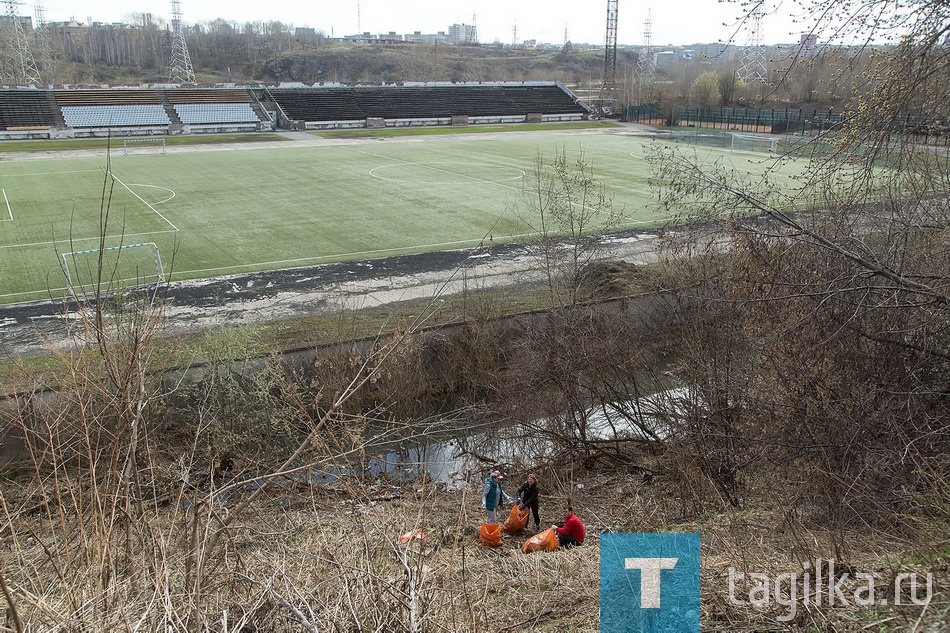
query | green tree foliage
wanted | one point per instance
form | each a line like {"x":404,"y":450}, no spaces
{"x":705,"y":90}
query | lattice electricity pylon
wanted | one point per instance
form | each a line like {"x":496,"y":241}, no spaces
{"x":180,"y":71}
{"x":752,"y":66}
{"x":43,"y":42}
{"x":646,"y":64}
{"x":609,"y":84}
{"x":19,"y":67}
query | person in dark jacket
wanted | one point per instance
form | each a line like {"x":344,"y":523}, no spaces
{"x":528,"y":498}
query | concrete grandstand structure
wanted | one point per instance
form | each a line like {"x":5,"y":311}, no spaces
{"x":62,"y":113}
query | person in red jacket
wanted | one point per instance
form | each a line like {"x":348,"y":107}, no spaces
{"x":572,"y":532}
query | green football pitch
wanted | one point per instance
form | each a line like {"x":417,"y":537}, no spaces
{"x":228,"y":211}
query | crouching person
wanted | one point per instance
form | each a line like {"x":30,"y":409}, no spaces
{"x":572,"y":532}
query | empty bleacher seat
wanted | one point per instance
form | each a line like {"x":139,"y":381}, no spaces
{"x":208,"y":113}
{"x":25,"y":109}
{"x":114,"y":115}
{"x":338,"y":103}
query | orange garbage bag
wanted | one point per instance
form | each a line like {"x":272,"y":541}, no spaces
{"x":545,"y":541}
{"x":416,"y":534}
{"x":516,"y":520}
{"x":490,"y":535}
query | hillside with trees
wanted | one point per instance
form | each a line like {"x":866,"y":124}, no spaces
{"x":225,"y":52}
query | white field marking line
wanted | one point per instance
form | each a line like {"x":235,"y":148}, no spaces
{"x":406,"y":162}
{"x":334,"y":258}
{"x":85,"y":239}
{"x":138,"y":184}
{"x":372,"y":172}
{"x":356,"y":255}
{"x":446,"y":171}
{"x":9,"y":210}
{"x":154,"y":210}
{"x":645,"y":192}
{"x":45,"y":293}
{"x":54,"y":173}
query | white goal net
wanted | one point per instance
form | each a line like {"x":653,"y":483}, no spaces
{"x":113,"y":268}
{"x":753,"y":143}
{"x":151,"y":145}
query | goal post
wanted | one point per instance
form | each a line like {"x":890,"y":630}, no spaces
{"x":148,"y":145}
{"x":754,"y":143}
{"x":130,"y":266}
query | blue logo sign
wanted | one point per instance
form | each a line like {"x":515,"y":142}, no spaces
{"x":649,"y":583}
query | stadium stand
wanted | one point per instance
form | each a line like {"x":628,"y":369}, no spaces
{"x":436,"y":101}
{"x":111,"y":108}
{"x":203,"y":113}
{"x":25,"y":109}
{"x":115,"y":115}
{"x":208,"y":107}
{"x":65,"y":113}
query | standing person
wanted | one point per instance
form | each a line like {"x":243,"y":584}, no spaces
{"x":528,"y":496}
{"x":572,"y":532}
{"x":493,"y":496}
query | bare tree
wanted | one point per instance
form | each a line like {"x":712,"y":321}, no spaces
{"x":567,"y":210}
{"x":834,"y":293}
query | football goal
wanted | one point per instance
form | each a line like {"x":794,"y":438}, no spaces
{"x":150,"y":145}
{"x":113,"y":268}
{"x":753,"y":143}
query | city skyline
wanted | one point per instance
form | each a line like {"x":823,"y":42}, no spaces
{"x":496,"y":21}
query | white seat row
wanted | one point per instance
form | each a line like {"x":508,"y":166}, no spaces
{"x":198,"y":113}
{"x":115,"y":115}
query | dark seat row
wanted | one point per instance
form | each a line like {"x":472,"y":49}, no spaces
{"x":105,"y":97}
{"x":21,"y":109}
{"x":208,"y":95}
{"x":338,"y":103}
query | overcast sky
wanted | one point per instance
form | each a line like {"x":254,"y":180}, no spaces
{"x":680,"y":22}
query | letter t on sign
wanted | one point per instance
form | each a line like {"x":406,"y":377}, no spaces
{"x":649,"y":578}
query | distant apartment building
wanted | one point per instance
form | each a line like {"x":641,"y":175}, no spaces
{"x":463,"y":34}
{"x":26,"y":22}
{"x":305,"y":35}
{"x":427,"y":38}
{"x":371,"y":38}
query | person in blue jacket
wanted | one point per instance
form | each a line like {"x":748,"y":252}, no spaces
{"x":493,"y":496}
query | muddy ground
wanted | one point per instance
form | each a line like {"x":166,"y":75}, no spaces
{"x":29,"y":328}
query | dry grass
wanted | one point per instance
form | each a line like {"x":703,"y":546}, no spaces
{"x":318,"y":558}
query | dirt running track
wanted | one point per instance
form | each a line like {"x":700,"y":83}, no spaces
{"x":264,"y":296}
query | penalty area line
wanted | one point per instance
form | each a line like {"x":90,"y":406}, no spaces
{"x":9,"y":210}
{"x":153,"y":209}
{"x":331,"y":259}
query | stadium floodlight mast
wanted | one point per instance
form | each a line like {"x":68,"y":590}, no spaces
{"x":609,"y":84}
